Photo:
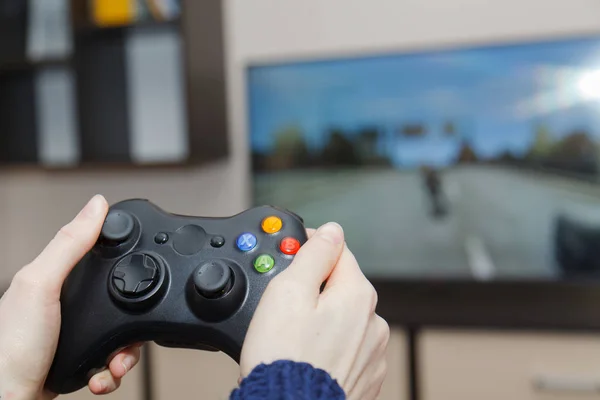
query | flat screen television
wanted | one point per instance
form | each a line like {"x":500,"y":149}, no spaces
{"x":468,"y":163}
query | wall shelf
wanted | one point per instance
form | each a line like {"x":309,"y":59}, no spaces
{"x":28,"y":66}
{"x":145,"y":94}
{"x":91,"y":29}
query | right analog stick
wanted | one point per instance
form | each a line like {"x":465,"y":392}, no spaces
{"x":216,"y":289}
{"x":118,"y":227}
{"x":213,"y":279}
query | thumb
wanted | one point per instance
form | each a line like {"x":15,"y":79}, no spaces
{"x":71,"y":243}
{"x":318,"y":256}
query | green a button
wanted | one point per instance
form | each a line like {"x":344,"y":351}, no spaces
{"x":264,"y":263}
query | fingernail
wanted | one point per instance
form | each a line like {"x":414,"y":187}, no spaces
{"x":103,"y":384}
{"x":127,"y":363}
{"x":332,"y":232}
{"x":94,"y":206}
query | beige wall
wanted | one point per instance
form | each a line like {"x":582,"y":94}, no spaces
{"x":36,"y":204}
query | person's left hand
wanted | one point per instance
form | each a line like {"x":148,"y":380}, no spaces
{"x":30,"y":313}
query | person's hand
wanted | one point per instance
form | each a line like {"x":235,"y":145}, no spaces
{"x":336,"y":330}
{"x":30,"y":313}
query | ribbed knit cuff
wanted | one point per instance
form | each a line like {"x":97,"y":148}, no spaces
{"x":287,"y":380}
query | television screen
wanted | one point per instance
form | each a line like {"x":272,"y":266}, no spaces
{"x":478,"y":163}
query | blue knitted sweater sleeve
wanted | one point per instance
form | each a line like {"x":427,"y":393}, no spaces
{"x":287,"y":380}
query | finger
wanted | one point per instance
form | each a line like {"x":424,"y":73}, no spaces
{"x":372,"y":349}
{"x":70,"y":244}
{"x":375,"y":383}
{"x":124,"y":361}
{"x":317,"y":257}
{"x":347,"y":271}
{"x":371,"y":381}
{"x":310,"y":232}
{"x":104,"y":383}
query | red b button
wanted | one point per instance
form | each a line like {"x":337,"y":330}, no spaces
{"x":289,"y":246}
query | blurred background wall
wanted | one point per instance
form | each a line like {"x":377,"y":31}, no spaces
{"x":35,"y":203}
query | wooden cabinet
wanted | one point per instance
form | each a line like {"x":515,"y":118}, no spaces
{"x":454,"y":365}
{"x":395,"y":386}
{"x":192,"y":374}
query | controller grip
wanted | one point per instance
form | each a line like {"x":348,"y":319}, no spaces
{"x":63,"y":379}
{"x":71,"y":369}
{"x":70,"y":372}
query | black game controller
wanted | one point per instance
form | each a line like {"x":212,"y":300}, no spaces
{"x":180,"y":281}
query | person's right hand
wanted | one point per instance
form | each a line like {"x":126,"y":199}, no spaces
{"x":336,"y":330}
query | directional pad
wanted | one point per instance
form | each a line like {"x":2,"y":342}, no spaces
{"x":135,"y":275}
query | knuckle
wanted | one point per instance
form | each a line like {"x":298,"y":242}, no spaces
{"x":364,"y":296}
{"x":374,"y":298}
{"x":360,"y":291}
{"x":25,"y":280}
{"x":385,"y":332}
{"x":67,"y":233}
{"x":320,"y":245}
{"x":369,"y":295}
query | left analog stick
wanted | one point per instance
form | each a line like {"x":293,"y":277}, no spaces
{"x":118,"y":227}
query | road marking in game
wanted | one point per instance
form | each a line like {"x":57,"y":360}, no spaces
{"x":480,"y":262}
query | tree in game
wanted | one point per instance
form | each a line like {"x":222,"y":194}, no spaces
{"x":340,"y":151}
{"x":290,"y":149}
{"x":542,"y":145}
{"x":576,"y":153}
{"x":466,"y":155}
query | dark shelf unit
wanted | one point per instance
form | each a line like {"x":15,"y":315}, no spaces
{"x":20,"y":66}
{"x":17,"y":127}
{"x":101,"y":91}
{"x":87,"y":28}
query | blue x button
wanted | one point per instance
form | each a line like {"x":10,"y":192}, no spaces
{"x":246,"y":241}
